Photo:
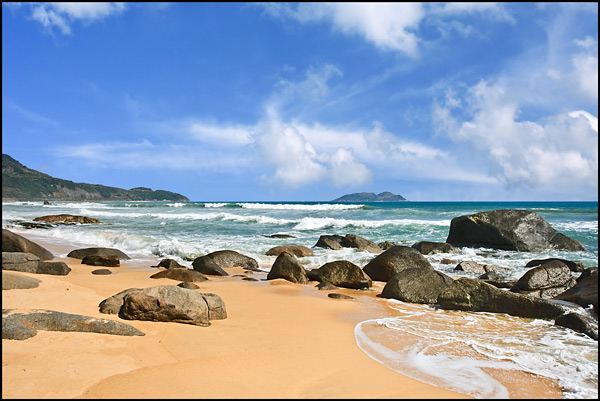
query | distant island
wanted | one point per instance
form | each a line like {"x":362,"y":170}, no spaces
{"x":20,"y":183}
{"x":370,"y":197}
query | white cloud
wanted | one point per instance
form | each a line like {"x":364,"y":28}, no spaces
{"x":559,"y":151}
{"x":61,"y":15}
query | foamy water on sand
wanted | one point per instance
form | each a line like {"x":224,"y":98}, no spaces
{"x":473,"y":353}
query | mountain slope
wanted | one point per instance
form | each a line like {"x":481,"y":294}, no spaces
{"x":22,"y":183}
{"x":370,"y":197}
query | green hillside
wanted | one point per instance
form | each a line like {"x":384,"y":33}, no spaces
{"x":370,"y":197}
{"x":22,"y":183}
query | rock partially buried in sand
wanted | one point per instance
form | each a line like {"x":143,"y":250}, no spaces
{"x":180,"y":274}
{"x":29,"y":263}
{"x":82,"y":253}
{"x":16,"y":281}
{"x":24,"y":324}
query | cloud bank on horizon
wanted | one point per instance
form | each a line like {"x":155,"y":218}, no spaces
{"x":307,"y":101}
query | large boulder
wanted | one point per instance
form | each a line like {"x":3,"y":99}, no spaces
{"x":16,"y":281}
{"x":428,"y":247}
{"x":170,"y":264}
{"x":508,"y":229}
{"x":180,"y":274}
{"x":12,"y":242}
{"x":170,"y":303}
{"x":580,"y":322}
{"x":227,"y":258}
{"x":545,"y":281}
{"x":341,"y":273}
{"x":420,"y":286}
{"x":67,"y":219}
{"x":296,"y":250}
{"x":574,"y":266}
{"x":206,"y":265}
{"x":29,"y":263}
{"x":287,"y":267}
{"x":394,"y":260}
{"x":585,"y":292}
{"x":82,"y":253}
{"x":473,"y":295}
{"x":23,"y":324}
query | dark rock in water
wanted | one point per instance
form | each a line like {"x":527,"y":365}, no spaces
{"x":100,"y":260}
{"x":188,"y":285}
{"x":428,"y":248}
{"x":495,"y":279}
{"x":508,"y":229}
{"x":469,"y":266}
{"x":12,"y":242}
{"x":29,"y":263}
{"x":339,"y":296}
{"x":337,"y":242}
{"x":16,"y":281}
{"x":585,"y":292}
{"x":385,"y":245}
{"x":579,"y":322}
{"x":68,"y":219}
{"x":418,"y":285}
{"x":476,"y":296}
{"x":206,"y":265}
{"x":279,"y":236}
{"x":394,"y":260}
{"x":23,"y":324}
{"x":47,"y":203}
{"x":296,"y":250}
{"x":341,"y":273}
{"x":227,"y":258}
{"x":180,"y":274}
{"x":82,"y":253}
{"x":172,"y":304}
{"x":574,"y":266}
{"x":546,"y":281}
{"x":101,"y":272}
{"x":287,"y":267}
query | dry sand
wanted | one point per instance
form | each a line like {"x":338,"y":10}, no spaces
{"x":279,"y":340}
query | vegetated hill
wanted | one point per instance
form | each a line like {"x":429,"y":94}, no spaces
{"x":370,"y":197}
{"x":22,"y":183}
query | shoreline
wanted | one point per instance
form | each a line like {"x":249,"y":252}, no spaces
{"x":279,"y":340}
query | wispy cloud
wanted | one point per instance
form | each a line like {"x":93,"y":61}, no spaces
{"x":63,"y":15}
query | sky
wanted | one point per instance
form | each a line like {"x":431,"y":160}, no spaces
{"x":307,"y":101}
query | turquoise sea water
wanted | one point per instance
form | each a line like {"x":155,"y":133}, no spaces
{"x":184,"y":231}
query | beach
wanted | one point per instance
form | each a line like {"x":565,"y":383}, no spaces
{"x":279,"y":340}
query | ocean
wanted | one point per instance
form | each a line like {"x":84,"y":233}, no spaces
{"x":455,"y":350}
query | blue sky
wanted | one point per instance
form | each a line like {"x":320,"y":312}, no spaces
{"x":308,"y":101}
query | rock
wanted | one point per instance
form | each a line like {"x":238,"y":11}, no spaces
{"x":82,"y":253}
{"x":585,"y":292}
{"x":579,"y":322}
{"x":394,"y":260}
{"x":508,"y":229}
{"x":546,"y":281}
{"x":29,"y":263}
{"x":296,"y":250}
{"x":47,"y":203}
{"x":180,"y":274}
{"x":385,"y":245}
{"x":326,"y":285}
{"x":417,"y":285}
{"x":337,"y":242}
{"x":287,"y":267}
{"x":170,"y":264}
{"x":12,"y":242}
{"x":341,"y":273}
{"x":101,"y":271}
{"x":206,"y":265}
{"x":15,"y":281}
{"x":428,"y":248}
{"x":279,"y":236}
{"x":112,"y":305}
{"x":249,"y":279}
{"x":469,"y":266}
{"x":495,"y":279}
{"x":68,"y":219}
{"x":474,"y":295}
{"x":339,"y":296}
{"x":99,"y":260}
{"x":574,"y":266}
{"x":170,"y":303}
{"x":227,"y":258}
{"x":23,"y":324}
{"x":188,"y":285}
